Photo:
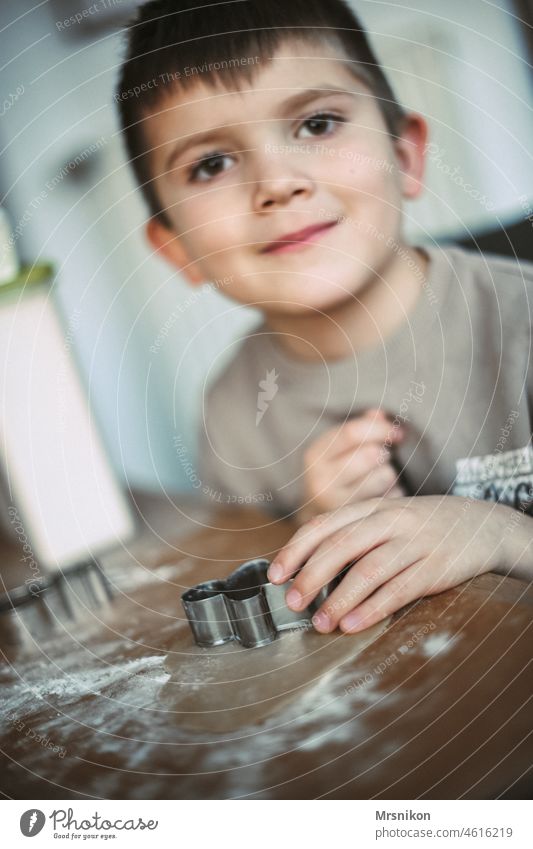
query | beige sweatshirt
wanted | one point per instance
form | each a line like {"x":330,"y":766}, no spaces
{"x":457,"y":374}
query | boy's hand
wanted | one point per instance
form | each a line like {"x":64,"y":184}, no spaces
{"x":351,"y":463}
{"x":404,"y":549}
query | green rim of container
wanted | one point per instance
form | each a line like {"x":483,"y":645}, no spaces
{"x":29,"y":275}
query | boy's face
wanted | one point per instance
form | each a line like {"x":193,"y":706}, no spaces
{"x":272,"y":169}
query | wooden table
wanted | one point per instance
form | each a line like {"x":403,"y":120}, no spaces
{"x":120,"y":704}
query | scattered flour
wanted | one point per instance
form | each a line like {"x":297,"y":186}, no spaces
{"x":26,"y":697}
{"x":435,"y":643}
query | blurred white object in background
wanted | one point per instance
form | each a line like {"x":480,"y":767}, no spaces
{"x":62,"y":490}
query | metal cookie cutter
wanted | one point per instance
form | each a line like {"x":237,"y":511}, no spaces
{"x":245,"y":607}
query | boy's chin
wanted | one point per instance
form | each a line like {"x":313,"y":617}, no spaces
{"x":291,"y":295}
{"x":309,"y":304}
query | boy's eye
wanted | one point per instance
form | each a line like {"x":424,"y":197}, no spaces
{"x":321,"y":123}
{"x":207,"y":167}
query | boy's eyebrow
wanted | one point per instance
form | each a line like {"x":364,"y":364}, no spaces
{"x":295,"y":102}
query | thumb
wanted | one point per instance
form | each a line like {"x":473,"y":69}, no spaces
{"x":375,"y":411}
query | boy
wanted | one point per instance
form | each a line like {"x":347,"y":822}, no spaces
{"x":273,"y":154}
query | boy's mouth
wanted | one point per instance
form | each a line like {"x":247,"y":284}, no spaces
{"x":293,"y":241}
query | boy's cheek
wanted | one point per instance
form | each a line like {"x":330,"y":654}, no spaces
{"x":209,"y":224}
{"x":370,"y":189}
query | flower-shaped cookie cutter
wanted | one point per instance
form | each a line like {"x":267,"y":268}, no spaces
{"x":245,"y":607}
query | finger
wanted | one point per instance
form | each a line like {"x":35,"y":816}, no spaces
{"x":352,"y":433}
{"x":339,"y":549}
{"x":357,"y":475}
{"x":307,"y":538}
{"x":356,"y":462}
{"x":373,"y":484}
{"x":397,"y":491}
{"x":372,"y":412}
{"x":364,"y":578}
{"x":400,"y":590}
{"x":361,"y":431}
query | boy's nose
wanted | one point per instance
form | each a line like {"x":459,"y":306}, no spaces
{"x":279,"y":189}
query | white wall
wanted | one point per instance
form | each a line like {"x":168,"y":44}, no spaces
{"x":471,"y":79}
{"x":91,"y":222}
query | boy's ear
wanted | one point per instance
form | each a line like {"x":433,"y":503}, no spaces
{"x":164,"y":241}
{"x":411,"y":154}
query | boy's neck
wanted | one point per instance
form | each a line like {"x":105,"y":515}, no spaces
{"x":363,"y":321}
